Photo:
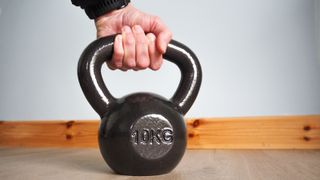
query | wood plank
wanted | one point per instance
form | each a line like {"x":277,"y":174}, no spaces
{"x":276,"y":132}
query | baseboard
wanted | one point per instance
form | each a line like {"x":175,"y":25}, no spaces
{"x":270,"y":132}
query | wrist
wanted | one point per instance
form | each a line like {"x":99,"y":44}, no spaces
{"x":114,"y":12}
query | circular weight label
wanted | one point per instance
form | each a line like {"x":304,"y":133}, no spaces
{"x":152,"y":136}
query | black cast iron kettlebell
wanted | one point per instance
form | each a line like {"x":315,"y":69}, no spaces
{"x":141,"y":133}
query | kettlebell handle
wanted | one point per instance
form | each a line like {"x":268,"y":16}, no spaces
{"x":99,"y":97}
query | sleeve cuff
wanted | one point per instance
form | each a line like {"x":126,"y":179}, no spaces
{"x":104,"y":7}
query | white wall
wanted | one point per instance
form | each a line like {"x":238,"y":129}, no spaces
{"x":259,"y":57}
{"x":317,"y":19}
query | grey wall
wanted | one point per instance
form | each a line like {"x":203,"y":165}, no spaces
{"x":259,"y":57}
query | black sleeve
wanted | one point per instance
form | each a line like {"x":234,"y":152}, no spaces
{"x":96,"y":8}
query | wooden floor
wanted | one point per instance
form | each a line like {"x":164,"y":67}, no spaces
{"x":59,"y":164}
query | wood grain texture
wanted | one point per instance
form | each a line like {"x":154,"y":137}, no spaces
{"x":49,"y":133}
{"x":62,"y":163}
{"x":282,"y":132}
{"x":286,"y":132}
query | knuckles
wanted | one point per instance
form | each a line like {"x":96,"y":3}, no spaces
{"x":143,"y":64}
{"x":134,"y":53}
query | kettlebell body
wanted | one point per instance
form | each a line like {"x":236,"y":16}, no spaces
{"x":141,"y":133}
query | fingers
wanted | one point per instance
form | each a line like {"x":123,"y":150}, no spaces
{"x":118,"y":52}
{"x":142,"y":54}
{"x":135,"y":50}
{"x":154,"y":55}
{"x":118,"y":55}
{"x":129,"y":48}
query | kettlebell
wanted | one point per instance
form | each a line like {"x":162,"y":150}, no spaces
{"x":142,"y":133}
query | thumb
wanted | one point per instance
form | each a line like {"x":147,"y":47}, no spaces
{"x":162,"y":33}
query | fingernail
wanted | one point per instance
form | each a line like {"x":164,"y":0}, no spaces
{"x":163,"y":48}
{"x":110,"y":66}
{"x":119,"y":38}
{"x":126,"y":29}
{"x":151,"y":38}
{"x":137,"y":29}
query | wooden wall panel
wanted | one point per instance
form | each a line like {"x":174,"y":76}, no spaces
{"x":292,"y":132}
{"x":278,"y":132}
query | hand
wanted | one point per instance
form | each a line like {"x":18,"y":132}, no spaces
{"x":133,"y":49}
